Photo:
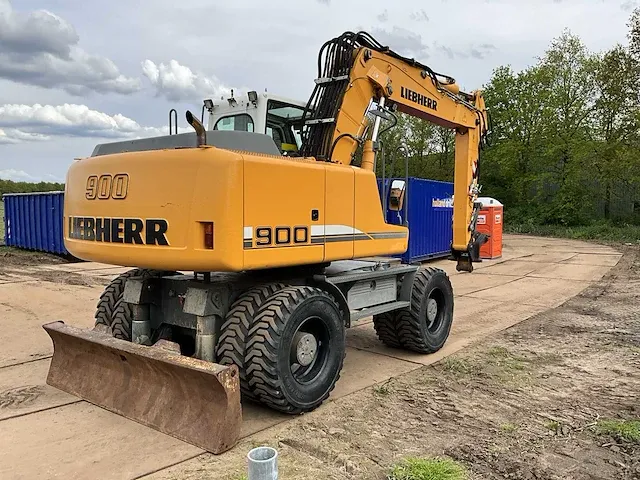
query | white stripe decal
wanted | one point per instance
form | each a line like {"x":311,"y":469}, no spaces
{"x":337,"y":230}
{"x":248,"y":233}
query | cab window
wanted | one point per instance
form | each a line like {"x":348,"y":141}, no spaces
{"x":284,"y":122}
{"x":239,"y":123}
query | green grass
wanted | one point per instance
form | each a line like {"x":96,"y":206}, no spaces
{"x":552,"y":425}
{"x":382,"y":389}
{"x":628,"y":430}
{"x":600,"y":231}
{"x":428,"y":469}
{"x":503,"y":358}
{"x":459,"y":366}
{"x":508,"y":427}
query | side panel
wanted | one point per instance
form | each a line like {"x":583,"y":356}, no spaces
{"x":280,"y":196}
{"x":430,"y":219}
{"x":383,"y":238}
{"x":430,"y":207}
{"x":339,"y":218}
{"x":34,"y":221}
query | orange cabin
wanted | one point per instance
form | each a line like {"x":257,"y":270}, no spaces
{"x":490,"y":222}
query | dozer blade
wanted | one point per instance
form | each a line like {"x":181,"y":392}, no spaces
{"x":190,"y":399}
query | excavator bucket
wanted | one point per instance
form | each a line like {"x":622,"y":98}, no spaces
{"x":190,"y":399}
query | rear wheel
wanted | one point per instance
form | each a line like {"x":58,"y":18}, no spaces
{"x":425,"y":327}
{"x":295,"y":349}
{"x":112,"y":311}
{"x":110,"y":297}
{"x":233,"y":337}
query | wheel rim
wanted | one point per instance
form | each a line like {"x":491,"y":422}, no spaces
{"x":435,"y":310}
{"x":309,"y":350}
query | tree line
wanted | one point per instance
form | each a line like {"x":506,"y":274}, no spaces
{"x":565,"y":136}
{"x":9,"y":186}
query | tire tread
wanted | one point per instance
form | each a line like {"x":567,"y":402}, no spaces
{"x":234,"y":331}
{"x":122,"y":311}
{"x":409,"y":323}
{"x":385,"y":327}
{"x":261,"y":353}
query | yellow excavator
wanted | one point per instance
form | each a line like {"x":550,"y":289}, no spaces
{"x":250,"y":261}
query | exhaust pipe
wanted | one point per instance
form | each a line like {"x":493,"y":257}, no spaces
{"x":198,"y":127}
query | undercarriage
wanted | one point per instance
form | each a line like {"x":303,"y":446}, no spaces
{"x":275,"y":337}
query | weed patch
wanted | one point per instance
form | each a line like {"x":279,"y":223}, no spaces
{"x":428,"y":469}
{"x":508,"y":427}
{"x":460,"y":366}
{"x":382,"y":389}
{"x":501,"y":357}
{"x":627,"y":430}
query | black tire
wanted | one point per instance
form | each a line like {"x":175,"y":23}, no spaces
{"x":416,"y":331}
{"x":385,"y":326}
{"x":110,"y":297}
{"x":268,"y":354}
{"x":234,"y":331}
{"x":122,"y":312}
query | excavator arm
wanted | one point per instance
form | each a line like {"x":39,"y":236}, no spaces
{"x":354,"y":71}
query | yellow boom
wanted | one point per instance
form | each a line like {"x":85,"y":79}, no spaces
{"x":381,"y":75}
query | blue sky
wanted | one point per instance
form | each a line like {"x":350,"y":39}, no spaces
{"x":73,"y":74}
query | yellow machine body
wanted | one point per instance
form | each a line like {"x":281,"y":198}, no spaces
{"x":152,"y":210}
{"x":164,"y":342}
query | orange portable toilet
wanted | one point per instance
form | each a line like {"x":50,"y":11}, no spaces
{"x":490,"y":222}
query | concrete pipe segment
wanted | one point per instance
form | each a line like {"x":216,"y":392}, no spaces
{"x":263,"y":463}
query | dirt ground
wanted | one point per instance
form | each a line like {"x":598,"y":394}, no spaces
{"x":517,"y":392}
{"x":15,"y":263}
{"x":523,"y":404}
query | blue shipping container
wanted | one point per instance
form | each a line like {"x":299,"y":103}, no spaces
{"x":430,"y":214}
{"x":34,"y":221}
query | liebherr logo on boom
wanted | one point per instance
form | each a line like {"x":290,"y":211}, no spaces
{"x":418,"y":98}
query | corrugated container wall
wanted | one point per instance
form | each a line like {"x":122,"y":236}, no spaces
{"x":34,"y":221}
{"x":430,"y":211}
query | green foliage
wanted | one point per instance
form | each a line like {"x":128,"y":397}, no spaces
{"x":428,"y":469}
{"x":552,"y":425}
{"x":508,"y":427}
{"x":565,"y":140}
{"x":628,"y":430}
{"x":9,"y":186}
{"x":600,"y":230}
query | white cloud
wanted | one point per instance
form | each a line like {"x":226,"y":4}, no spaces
{"x":41,"y":122}
{"x":22,"y":176}
{"x":17,"y":175}
{"x":14,"y":135}
{"x":419,"y":16}
{"x":403,"y":41}
{"x":178,"y":82}
{"x":40,"y":48}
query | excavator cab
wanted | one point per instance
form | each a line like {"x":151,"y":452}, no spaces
{"x":278,"y":117}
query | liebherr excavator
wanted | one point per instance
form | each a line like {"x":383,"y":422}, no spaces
{"x":249,"y":262}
